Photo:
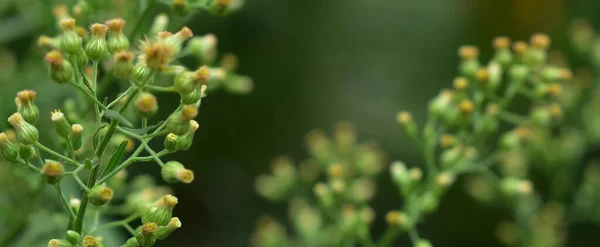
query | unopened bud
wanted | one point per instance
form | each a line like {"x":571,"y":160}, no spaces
{"x":171,"y":142}
{"x":516,"y":187}
{"x":26,"y":133}
{"x":59,"y":243}
{"x":405,"y":119}
{"x":540,"y":41}
{"x":48,"y":42}
{"x":52,"y":171}
{"x":398,"y":219}
{"x":62,"y":126}
{"x":160,"y":23}
{"x":520,"y":48}
{"x":164,"y":231}
{"x":193,"y":97}
{"x":180,"y":7}
{"x":81,"y":58}
{"x":8,"y":150}
{"x":61,"y":70}
{"x":189,"y":112}
{"x":146,"y":104}
{"x":71,"y":42}
{"x":173,"y":172}
{"x":324,"y":194}
{"x":177,"y":124}
{"x":147,"y":235}
{"x":162,"y":214}
{"x":73,"y":237}
{"x":27,"y":107}
{"x":186,"y":81}
{"x":141,"y":73}
{"x":131,"y":242}
{"x":123,"y":64}
{"x":116,"y":41}
{"x":100,"y":195}
{"x":96,"y":47}
{"x":203,"y":48}
{"x":76,"y":136}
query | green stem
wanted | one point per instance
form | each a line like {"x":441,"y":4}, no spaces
{"x":94,"y":86}
{"x":80,"y":182}
{"x":90,"y":96}
{"x":64,"y":201}
{"x":388,"y":236}
{"x":115,"y":223}
{"x":141,"y":21}
{"x":55,"y":154}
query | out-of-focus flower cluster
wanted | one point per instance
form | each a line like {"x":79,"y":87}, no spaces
{"x":97,"y":139}
{"x":521,"y":115}
{"x":328,"y":193}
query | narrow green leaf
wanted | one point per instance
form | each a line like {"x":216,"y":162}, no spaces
{"x":144,"y":130}
{"x":115,"y":159}
{"x":96,"y":137}
{"x":120,"y":118}
{"x":88,"y":164}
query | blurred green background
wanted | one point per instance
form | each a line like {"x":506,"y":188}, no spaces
{"x":317,"y":62}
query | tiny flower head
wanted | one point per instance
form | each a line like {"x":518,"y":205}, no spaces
{"x":461,"y":83}
{"x":115,"y":25}
{"x":99,"y":30}
{"x":540,"y":41}
{"x":146,"y":104}
{"x":52,"y":171}
{"x":90,"y":241}
{"x":520,"y":47}
{"x":468,"y":52}
{"x":157,"y":54}
{"x":100,"y":195}
{"x":501,"y":43}
{"x":54,"y":58}
{"x":189,"y":112}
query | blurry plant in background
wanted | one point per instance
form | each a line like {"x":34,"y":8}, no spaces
{"x":530,"y":162}
{"x":92,"y":134}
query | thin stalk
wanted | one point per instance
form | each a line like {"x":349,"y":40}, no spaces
{"x":55,"y":154}
{"x":64,"y":201}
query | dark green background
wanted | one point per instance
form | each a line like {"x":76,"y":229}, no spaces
{"x":316,"y":62}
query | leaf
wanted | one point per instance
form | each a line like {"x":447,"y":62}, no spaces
{"x":95,"y":138}
{"x":115,"y":159}
{"x":88,"y":164}
{"x":117,"y":116}
{"x":144,"y":130}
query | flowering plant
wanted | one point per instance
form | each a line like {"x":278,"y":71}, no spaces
{"x":97,"y":139}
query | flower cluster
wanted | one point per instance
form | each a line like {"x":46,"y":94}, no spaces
{"x":96,"y":139}
{"x":328,"y":193}
{"x":521,"y":115}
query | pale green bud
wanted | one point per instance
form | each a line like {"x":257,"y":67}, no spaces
{"x":171,"y":142}
{"x":8,"y":150}
{"x":193,"y":97}
{"x":423,"y":243}
{"x":100,"y":195}
{"x":238,"y":84}
{"x":178,"y":124}
{"x":81,"y":58}
{"x":146,"y":236}
{"x":164,"y":231}
{"x":76,"y":136}
{"x":123,"y":64}
{"x":160,"y":23}
{"x":132,"y":242}
{"x":177,"y":39}
{"x":203,"y":48}
{"x":52,"y":171}
{"x":180,"y":7}
{"x":26,"y":106}
{"x":409,"y":126}
{"x":96,"y":47}
{"x":61,"y":70}
{"x":73,"y":237}
{"x":141,"y":73}
{"x":184,"y":142}
{"x":398,"y":219}
{"x":26,"y":152}
{"x":26,"y":133}
{"x":518,"y":73}
{"x":116,"y":41}
{"x":324,"y":194}
{"x":59,"y":243}
{"x":70,"y":42}
{"x":146,"y":104}
{"x":162,"y":214}
{"x":186,"y":81}
{"x":62,"y":126}
{"x":516,"y":187}
{"x":174,"y":172}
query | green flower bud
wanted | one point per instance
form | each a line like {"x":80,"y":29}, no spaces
{"x":173,"y":172}
{"x":26,"y":152}
{"x":100,"y":195}
{"x":81,"y":58}
{"x":61,"y":70}
{"x":96,"y":47}
{"x":518,"y":73}
{"x":430,"y":202}
{"x":147,"y":234}
{"x":443,"y":181}
{"x":141,"y":73}
{"x":193,"y":97}
{"x":423,"y":243}
{"x":26,"y":133}
{"x":171,"y":142}
{"x":52,"y":171}
{"x":74,"y":203}
{"x":324,"y":194}
{"x":398,"y":219}
{"x":73,"y":237}
{"x":203,"y":48}
{"x":239,"y":84}
{"x":180,"y":7}
{"x":132,"y":242}
{"x":71,"y":42}
{"x":162,"y":214}
{"x":123,"y":64}
{"x":59,"y":243}
{"x":178,"y":124}
{"x":184,"y":142}
{"x":405,"y":119}
{"x":27,"y":107}
{"x":164,"y":231}
{"x":540,"y":117}
{"x":516,"y":187}
{"x":76,"y":136}
{"x":8,"y":150}
{"x":146,"y":105}
{"x":62,"y":126}
{"x":116,"y":41}
{"x":186,"y":81}
{"x":90,"y":241}
{"x":48,"y":42}
{"x":552,"y":74}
